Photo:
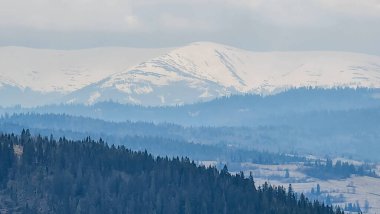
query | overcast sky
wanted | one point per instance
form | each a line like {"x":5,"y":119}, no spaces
{"x":261,"y":25}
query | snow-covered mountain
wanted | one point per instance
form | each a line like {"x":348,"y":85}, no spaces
{"x":197,"y":72}
{"x":66,"y":70}
{"x":203,"y":71}
{"x":39,"y":76}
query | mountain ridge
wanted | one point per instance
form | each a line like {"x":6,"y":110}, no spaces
{"x":203,"y":71}
{"x":64,"y":71}
{"x":197,"y":72}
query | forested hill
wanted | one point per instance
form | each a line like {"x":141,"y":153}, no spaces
{"x":242,"y":110}
{"x":42,"y":175}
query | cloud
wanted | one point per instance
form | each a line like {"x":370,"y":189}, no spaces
{"x":259,"y":24}
{"x":362,"y":8}
{"x":292,"y":13}
{"x":68,"y":15}
{"x":132,"y":22}
{"x":124,"y":15}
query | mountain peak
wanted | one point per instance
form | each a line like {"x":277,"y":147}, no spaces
{"x":199,"y":71}
{"x":204,"y":70}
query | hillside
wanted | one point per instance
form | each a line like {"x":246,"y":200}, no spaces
{"x":39,"y":175}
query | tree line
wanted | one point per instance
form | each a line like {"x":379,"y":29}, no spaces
{"x":42,"y":175}
{"x":339,"y":170}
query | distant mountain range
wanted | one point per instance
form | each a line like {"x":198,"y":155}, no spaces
{"x":197,"y":72}
{"x":338,"y":122}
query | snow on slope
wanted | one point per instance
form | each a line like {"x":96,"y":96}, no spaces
{"x":66,"y":70}
{"x":203,"y":70}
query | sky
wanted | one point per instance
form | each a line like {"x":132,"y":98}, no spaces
{"x":259,"y":25}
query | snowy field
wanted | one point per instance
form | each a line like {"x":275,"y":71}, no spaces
{"x":355,"y":189}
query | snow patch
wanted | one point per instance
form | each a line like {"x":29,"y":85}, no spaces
{"x":194,"y":114}
{"x":206,"y":94}
{"x":143,"y":90}
{"x":93,"y":98}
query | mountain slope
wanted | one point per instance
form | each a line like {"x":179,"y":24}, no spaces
{"x":66,"y":70}
{"x":193,"y":73}
{"x":203,"y":71}
{"x":46,"y":176}
{"x":39,"y":76}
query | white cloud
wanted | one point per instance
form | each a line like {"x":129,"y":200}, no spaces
{"x":291,"y":13}
{"x":132,"y":21}
{"x":176,"y":22}
{"x":362,"y":8}
{"x":126,"y":15}
{"x":279,"y":23}
{"x":68,"y":15}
